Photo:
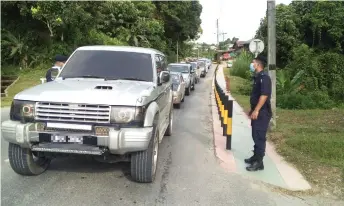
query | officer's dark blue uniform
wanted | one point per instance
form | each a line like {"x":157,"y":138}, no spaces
{"x":58,"y":60}
{"x":261,"y":86}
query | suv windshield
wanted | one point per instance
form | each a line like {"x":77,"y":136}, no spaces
{"x":109,"y":65}
{"x":179,"y":68}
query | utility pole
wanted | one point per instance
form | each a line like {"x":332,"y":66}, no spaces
{"x":177,"y":48}
{"x":271,"y":14}
{"x":217,"y":33}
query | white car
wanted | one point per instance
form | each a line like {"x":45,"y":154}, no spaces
{"x":204,"y":68}
{"x":187,"y":73}
{"x":207,"y":63}
{"x":197,"y":70}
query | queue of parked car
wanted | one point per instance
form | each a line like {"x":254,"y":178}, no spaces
{"x":185,"y":75}
{"x":112,"y":103}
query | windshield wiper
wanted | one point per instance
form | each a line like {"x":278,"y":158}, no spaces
{"x":85,"y":76}
{"x":126,"y":78}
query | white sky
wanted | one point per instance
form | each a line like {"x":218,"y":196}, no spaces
{"x":237,"y":18}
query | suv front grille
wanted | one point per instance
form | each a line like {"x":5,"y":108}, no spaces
{"x":65,"y":112}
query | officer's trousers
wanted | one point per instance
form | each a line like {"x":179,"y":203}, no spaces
{"x":259,"y":130}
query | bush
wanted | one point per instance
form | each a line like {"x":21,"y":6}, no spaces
{"x":310,"y":100}
{"x":245,"y":89}
{"x":322,"y":71}
{"x":10,"y":70}
{"x":241,"y":65}
{"x":99,"y":38}
{"x":337,"y":91}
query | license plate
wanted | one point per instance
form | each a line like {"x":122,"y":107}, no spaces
{"x":65,"y":139}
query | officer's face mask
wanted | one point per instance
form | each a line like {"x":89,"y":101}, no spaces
{"x":252,"y":69}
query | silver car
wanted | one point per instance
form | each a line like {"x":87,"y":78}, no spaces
{"x":197,"y":70}
{"x":203,"y":68}
{"x":110,"y":102}
{"x":178,"y":88}
{"x":187,"y":73}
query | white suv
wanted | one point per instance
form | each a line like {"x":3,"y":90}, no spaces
{"x":113,"y":103}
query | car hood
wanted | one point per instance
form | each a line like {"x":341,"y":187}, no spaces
{"x":95,"y":91}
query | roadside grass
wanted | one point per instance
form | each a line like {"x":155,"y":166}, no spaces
{"x":312,"y":140}
{"x":26,"y":80}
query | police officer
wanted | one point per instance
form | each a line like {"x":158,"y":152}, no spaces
{"x":260,"y":112}
{"x":59,"y":62}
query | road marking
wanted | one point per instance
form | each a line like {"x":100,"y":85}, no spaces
{"x":7,"y":160}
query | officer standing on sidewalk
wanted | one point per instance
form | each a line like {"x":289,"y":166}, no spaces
{"x":260,"y":113}
{"x":59,"y":62}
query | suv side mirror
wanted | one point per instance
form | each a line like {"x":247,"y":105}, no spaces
{"x":55,"y":72}
{"x":164,"y":77}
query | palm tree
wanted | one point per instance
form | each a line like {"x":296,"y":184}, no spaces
{"x":287,"y":84}
{"x":18,"y":46}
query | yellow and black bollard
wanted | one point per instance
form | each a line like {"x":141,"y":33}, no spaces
{"x":229,"y":124}
{"x":225,"y":111}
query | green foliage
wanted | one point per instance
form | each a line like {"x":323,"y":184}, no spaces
{"x":311,"y":100}
{"x":241,"y":65}
{"x":35,"y":31}
{"x":245,"y":89}
{"x":99,"y":38}
{"x":286,"y":84}
{"x":309,"y":39}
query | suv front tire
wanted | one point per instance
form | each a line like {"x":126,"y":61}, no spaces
{"x":144,"y":163}
{"x":25,"y":162}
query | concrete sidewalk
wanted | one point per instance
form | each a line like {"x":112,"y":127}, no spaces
{"x":277,"y":171}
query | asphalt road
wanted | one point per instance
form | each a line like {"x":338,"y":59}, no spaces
{"x":188,"y":172}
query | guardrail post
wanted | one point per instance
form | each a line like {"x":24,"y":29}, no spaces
{"x":225,"y":114}
{"x":222,"y":108}
{"x":229,"y":125}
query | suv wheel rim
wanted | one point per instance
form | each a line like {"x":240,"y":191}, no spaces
{"x":155,"y":152}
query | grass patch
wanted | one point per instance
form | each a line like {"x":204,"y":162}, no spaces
{"x":234,"y":84}
{"x":28,"y":78}
{"x":312,"y":140}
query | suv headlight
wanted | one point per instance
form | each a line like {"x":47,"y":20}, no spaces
{"x":23,"y":111}
{"x":126,"y":114}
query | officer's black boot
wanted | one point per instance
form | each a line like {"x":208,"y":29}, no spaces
{"x":251,"y":159}
{"x":256,"y":165}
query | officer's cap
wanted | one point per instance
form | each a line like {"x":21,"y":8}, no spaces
{"x":261,"y":59}
{"x":61,"y":58}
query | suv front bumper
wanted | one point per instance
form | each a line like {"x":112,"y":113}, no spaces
{"x":119,"y":141}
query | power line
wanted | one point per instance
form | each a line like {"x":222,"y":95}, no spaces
{"x":223,"y":36}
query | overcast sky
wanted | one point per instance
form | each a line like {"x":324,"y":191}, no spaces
{"x":239,"y":18}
